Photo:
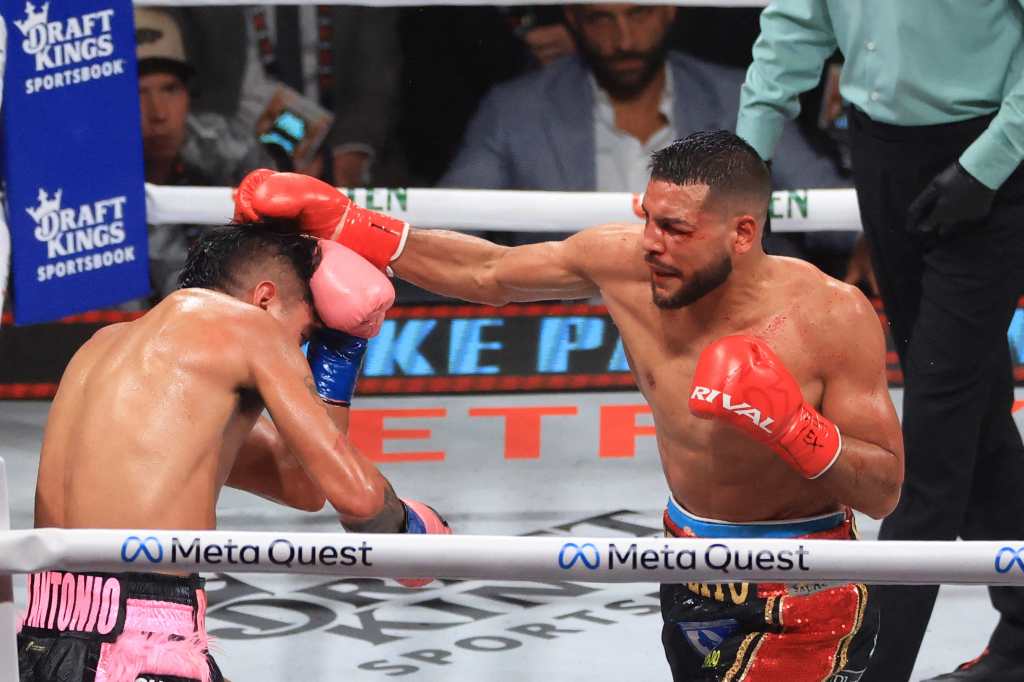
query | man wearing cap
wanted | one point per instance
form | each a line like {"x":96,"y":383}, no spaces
{"x":179,"y":147}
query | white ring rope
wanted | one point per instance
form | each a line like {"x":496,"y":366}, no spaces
{"x":516,"y":558}
{"x":808,"y":210}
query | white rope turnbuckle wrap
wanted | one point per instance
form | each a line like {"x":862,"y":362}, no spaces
{"x":517,"y":558}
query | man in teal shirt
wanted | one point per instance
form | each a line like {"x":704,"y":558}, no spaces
{"x":937,"y":131}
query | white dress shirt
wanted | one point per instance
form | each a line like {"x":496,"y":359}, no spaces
{"x":622,"y":159}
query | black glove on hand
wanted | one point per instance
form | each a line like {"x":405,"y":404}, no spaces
{"x":951,"y":203}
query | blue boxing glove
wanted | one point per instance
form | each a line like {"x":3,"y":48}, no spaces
{"x":335,"y":359}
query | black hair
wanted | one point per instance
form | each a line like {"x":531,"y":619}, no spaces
{"x":220,"y":257}
{"x":717,"y":158}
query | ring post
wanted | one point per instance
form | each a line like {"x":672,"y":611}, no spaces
{"x":8,"y":615}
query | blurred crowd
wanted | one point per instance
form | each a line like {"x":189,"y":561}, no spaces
{"x":532,"y":98}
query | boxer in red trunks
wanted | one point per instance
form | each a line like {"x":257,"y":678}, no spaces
{"x":153,"y":417}
{"x":766,"y":379}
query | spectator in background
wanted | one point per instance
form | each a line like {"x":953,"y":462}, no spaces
{"x":589,"y":121}
{"x":335,"y":68}
{"x":179,"y":147}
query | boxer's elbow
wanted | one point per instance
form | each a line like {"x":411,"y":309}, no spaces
{"x":887,"y":498}
{"x":359,"y":504}
{"x":374,"y":508}
{"x":881,"y":508}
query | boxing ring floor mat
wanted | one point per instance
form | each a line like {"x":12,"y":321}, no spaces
{"x":277,"y":627}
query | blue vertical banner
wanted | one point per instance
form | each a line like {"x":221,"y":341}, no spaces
{"x":72,"y":155}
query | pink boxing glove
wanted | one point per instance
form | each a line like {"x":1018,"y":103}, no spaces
{"x":421,"y":518}
{"x":350,"y":294}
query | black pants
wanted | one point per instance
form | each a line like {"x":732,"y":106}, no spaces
{"x":949,"y":304}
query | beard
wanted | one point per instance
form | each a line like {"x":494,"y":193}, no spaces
{"x":621,"y":86}
{"x":700,"y":284}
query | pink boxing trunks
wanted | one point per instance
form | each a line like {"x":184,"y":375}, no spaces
{"x":115,"y":627}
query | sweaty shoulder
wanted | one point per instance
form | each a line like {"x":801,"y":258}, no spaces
{"x":834,"y":313}
{"x":219,"y":325}
{"x":608,"y":250}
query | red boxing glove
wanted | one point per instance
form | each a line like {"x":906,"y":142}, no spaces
{"x":421,"y":518}
{"x":322,"y":211}
{"x":740,"y":380}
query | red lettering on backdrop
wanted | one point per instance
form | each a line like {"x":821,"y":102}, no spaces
{"x":366,"y":431}
{"x":619,"y":429}
{"x":522,"y":427}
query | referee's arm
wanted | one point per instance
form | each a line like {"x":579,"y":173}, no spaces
{"x":998,"y":151}
{"x":789,"y":55}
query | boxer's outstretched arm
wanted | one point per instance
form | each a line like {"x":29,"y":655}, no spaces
{"x":473,"y":269}
{"x":868,"y":473}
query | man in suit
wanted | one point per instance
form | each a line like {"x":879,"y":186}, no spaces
{"x":590,"y":121}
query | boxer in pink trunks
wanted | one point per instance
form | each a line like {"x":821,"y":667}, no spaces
{"x":153,"y":417}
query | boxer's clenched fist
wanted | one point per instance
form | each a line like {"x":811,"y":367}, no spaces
{"x":322,"y":211}
{"x":740,"y":380}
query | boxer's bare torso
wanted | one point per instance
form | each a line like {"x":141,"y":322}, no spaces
{"x":151,"y":415}
{"x":825,"y":332}
{"x":712,"y":469}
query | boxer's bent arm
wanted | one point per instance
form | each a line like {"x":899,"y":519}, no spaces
{"x":351,"y":483}
{"x":473,"y":269}
{"x":265,"y":467}
{"x":339,"y":414}
{"x":869,"y":471}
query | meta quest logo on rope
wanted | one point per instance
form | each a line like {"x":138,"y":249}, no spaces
{"x":73,"y":158}
{"x":717,"y":557}
{"x":278,"y":552}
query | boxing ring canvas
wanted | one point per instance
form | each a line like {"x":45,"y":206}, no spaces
{"x":318,"y":628}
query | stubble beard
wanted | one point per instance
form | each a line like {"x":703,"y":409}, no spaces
{"x":700,"y":284}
